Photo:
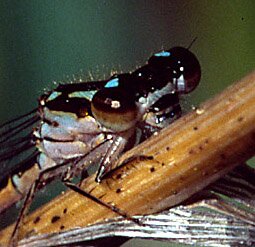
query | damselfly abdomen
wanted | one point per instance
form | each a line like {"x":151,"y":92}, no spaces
{"x":80,"y":124}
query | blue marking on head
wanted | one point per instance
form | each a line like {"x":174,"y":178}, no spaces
{"x":112,"y":83}
{"x":163,"y":54}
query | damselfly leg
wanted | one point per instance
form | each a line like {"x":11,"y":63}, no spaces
{"x":108,"y":149}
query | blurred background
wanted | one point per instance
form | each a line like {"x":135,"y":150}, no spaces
{"x":46,"y":41}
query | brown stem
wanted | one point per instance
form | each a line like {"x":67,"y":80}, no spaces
{"x":187,"y":156}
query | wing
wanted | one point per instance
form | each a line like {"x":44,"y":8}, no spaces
{"x":17,"y":152}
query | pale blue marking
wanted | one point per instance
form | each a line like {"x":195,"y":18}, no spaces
{"x":53,"y":95}
{"x":112,"y":83}
{"x":163,"y":54}
{"x":83,"y":94}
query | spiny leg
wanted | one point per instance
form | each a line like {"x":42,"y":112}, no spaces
{"x":112,"y":153}
{"x":116,"y":210}
{"x":42,"y":177}
{"x":117,"y":146}
{"x":23,"y":212}
{"x":109,"y":159}
{"x":79,"y":166}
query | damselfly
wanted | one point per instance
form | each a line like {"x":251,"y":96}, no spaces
{"x":77,"y":125}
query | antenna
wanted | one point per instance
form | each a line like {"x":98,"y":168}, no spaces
{"x":192,"y":42}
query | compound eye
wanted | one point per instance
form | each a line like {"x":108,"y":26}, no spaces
{"x":186,"y":70}
{"x":114,"y":109}
{"x":178,"y":65}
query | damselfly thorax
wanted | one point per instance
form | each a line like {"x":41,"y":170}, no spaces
{"x":86,"y":123}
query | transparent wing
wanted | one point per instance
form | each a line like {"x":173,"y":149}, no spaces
{"x":17,"y":150}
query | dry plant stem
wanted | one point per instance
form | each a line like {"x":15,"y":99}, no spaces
{"x":187,"y":156}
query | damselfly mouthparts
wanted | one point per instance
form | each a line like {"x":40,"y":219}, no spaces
{"x":92,"y":122}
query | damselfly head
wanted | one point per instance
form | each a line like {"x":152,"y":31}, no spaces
{"x":179,"y":66}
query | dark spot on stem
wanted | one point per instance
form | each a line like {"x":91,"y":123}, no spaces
{"x":118,"y":190}
{"x":118,"y":176}
{"x":62,"y":227}
{"x":37,"y":219}
{"x":65,"y":210}
{"x":167,"y":148}
{"x":162,"y":163}
{"x":152,"y":169}
{"x":55,"y":218}
{"x":240,"y":119}
{"x":195,"y":128}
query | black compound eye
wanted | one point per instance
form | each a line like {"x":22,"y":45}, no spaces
{"x":114,"y":109}
{"x":186,"y":70}
{"x":178,"y":65}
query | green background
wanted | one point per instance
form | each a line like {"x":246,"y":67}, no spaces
{"x":46,"y":41}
